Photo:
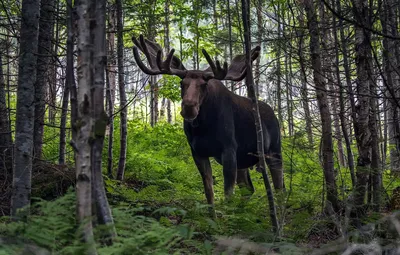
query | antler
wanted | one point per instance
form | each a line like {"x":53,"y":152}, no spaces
{"x":237,"y":69}
{"x":153,"y":52}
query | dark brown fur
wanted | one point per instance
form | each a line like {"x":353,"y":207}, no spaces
{"x":225,"y":129}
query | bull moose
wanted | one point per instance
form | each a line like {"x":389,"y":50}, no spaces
{"x":217,"y":122}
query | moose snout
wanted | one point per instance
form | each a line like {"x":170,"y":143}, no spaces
{"x":190,"y":109}
{"x":189,"y":103}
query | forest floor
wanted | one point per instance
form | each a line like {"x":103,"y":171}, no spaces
{"x":160,"y":207}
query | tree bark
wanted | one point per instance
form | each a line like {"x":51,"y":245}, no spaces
{"x":167,"y":49}
{"x":43,"y":65}
{"x":110,"y":109}
{"x":122,"y":94}
{"x":5,"y":142}
{"x":343,"y":121}
{"x":323,"y":105}
{"x":303,"y":77}
{"x":84,"y":123}
{"x":256,"y":113}
{"x":260,"y":29}
{"x":100,"y":121}
{"x":361,"y":125}
{"x":278,"y":71}
{"x":389,"y":26}
{"x":228,"y":8}
{"x":350,"y":91}
{"x":111,"y":58}
{"x":69,"y":80}
{"x":21,"y":195}
{"x":52,"y":88}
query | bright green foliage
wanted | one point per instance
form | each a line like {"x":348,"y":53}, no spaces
{"x":170,"y":88}
{"x":160,"y":208}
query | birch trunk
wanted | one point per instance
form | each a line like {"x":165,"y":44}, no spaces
{"x":83,"y":123}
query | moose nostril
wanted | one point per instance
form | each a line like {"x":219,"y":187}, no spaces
{"x":189,"y":103}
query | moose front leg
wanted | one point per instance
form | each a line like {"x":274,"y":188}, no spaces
{"x":204,"y":167}
{"x":230,"y":170}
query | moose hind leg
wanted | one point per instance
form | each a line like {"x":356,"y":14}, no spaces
{"x":274,"y":162}
{"x":230,"y":171}
{"x":244,"y":181}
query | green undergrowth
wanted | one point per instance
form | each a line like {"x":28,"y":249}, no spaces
{"x":160,"y":206}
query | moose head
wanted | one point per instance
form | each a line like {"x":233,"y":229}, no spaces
{"x":193,"y":82}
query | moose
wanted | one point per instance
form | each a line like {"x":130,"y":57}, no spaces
{"x":217,"y":122}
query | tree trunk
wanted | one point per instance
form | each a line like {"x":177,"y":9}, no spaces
{"x":343,"y":121}
{"x":228,"y":7}
{"x":100,"y":121}
{"x":52,"y":88}
{"x":43,"y":65}
{"x":389,"y":26}
{"x":256,"y":113}
{"x":69,"y":80}
{"x":123,"y":110}
{"x":110,"y":125}
{"x":167,"y":49}
{"x":278,"y":71}
{"x":323,"y":105}
{"x":21,"y":195}
{"x":376,"y":172}
{"x":5,"y":142}
{"x":303,"y":77}
{"x":347,"y":71}
{"x":361,"y":125}
{"x":83,"y":122}
{"x":111,"y":59}
{"x":260,"y":29}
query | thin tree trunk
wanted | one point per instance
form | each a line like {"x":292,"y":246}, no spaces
{"x":167,"y":49}
{"x":69,"y":81}
{"x":43,"y":65}
{"x":111,"y":59}
{"x":110,"y":125}
{"x":303,"y":77}
{"x":389,"y":26}
{"x":260,"y":29}
{"x":343,"y":122}
{"x":83,"y":122}
{"x":323,"y":104}
{"x":228,"y":7}
{"x":53,"y":68}
{"x":256,"y":113}
{"x":5,"y":142}
{"x":362,"y":130}
{"x":278,"y":71}
{"x":122,"y":94}
{"x":5,"y":132}
{"x":347,"y":71}
{"x":21,"y":195}
{"x":376,"y":172}
{"x":100,"y":121}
